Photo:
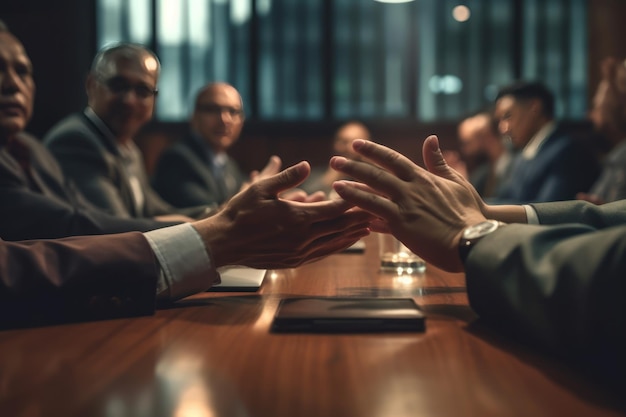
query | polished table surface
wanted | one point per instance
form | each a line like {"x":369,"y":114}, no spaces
{"x":213,"y":355}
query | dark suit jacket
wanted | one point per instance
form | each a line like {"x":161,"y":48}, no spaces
{"x":93,"y":162}
{"x":184,"y":176}
{"x":561,"y":168}
{"x":76,"y":279}
{"x":560,"y":287}
{"x":52,"y":207}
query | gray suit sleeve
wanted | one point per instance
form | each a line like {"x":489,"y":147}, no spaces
{"x":561,"y":288}
{"x":598,"y":216}
{"x":86,"y":166}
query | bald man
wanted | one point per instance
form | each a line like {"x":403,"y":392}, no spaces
{"x":198,"y":169}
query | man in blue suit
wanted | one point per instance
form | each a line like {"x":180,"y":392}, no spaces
{"x":551,"y":164}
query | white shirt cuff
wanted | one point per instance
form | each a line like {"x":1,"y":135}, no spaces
{"x":186,"y":267}
{"x":531,"y":214}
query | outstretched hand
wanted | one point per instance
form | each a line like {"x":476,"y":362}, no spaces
{"x":256,"y":228}
{"x":271,"y":168}
{"x":427,"y":211}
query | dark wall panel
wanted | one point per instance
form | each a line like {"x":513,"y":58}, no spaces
{"x":59,"y":36}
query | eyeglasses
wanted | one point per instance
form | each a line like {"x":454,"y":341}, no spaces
{"x":216,"y":110}
{"x":120,"y":86}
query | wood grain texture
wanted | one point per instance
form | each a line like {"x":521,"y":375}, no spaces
{"x":213,"y":355}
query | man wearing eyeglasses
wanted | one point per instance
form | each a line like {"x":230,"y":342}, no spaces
{"x":95,"y":148}
{"x":198,"y":169}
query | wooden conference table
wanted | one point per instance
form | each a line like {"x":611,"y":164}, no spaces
{"x":213,"y":355}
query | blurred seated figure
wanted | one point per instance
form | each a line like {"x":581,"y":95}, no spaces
{"x":608,"y":115}
{"x":484,"y":158}
{"x":322,"y":178}
{"x":96,"y":148}
{"x":198,"y":169}
{"x":551,"y":165}
{"x":37,"y":200}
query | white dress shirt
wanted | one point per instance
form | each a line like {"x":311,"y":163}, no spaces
{"x":186,"y":266}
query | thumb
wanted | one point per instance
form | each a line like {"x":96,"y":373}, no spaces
{"x":434,"y":160}
{"x":284,"y":180}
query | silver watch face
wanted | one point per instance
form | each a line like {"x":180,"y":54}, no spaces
{"x":481,"y":229}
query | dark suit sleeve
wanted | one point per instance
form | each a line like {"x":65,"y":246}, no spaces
{"x":558,"y":287}
{"x":25,"y":214}
{"x":76,"y":279}
{"x":156,"y":206}
{"x":88,"y":168}
{"x":598,"y":216}
{"x":56,"y":211}
{"x":179,"y":180}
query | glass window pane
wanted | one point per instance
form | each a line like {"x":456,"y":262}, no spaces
{"x":290,"y":68}
{"x":462,"y":58}
{"x":371,"y":57}
{"x":114,"y":19}
{"x":427,"y":60}
{"x":200,"y":41}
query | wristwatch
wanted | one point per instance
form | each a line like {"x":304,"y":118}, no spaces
{"x":473,"y":234}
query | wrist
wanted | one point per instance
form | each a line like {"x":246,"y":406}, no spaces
{"x":505,"y":213}
{"x":471,"y":235}
{"x":214,"y":234}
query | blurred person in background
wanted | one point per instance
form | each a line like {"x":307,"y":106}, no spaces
{"x":483,"y":157}
{"x":551,"y":165}
{"x":608,"y":115}
{"x":198,"y":170}
{"x":322,"y":178}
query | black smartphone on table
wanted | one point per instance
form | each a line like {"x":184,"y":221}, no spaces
{"x":348,"y":315}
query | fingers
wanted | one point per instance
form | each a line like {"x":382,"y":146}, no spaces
{"x":284,"y":180}
{"x":322,"y":210}
{"x":387,"y":158}
{"x":433,"y":158}
{"x":371,"y":202}
{"x":379,"y":226}
{"x":316,"y":249}
{"x":316,"y":196}
{"x":364,"y":187}
{"x":294,"y":195}
{"x":272,"y":167}
{"x":435,"y":162}
{"x":334,"y":243}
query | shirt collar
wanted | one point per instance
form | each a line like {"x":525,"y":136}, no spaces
{"x":532,"y":147}
{"x":502,"y":163}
